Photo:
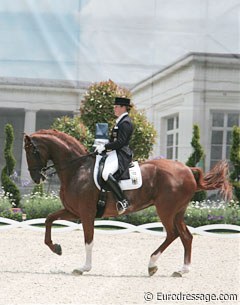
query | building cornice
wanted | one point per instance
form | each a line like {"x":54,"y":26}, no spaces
{"x":228,"y":60}
{"x":42,"y":84}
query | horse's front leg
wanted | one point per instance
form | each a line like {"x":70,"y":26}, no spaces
{"x":59,"y":215}
{"x":88,"y":228}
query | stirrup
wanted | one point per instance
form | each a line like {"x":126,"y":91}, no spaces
{"x":122,"y":206}
{"x":101,"y":203}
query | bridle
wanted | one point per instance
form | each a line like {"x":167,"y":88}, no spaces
{"x":43,"y":169}
{"x":37,"y":156}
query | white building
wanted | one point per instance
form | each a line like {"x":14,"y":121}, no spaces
{"x":201,"y":89}
{"x":32,"y":104}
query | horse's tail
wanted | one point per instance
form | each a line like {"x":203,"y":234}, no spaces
{"x":217,"y":178}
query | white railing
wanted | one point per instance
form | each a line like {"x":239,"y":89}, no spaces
{"x":121,"y":227}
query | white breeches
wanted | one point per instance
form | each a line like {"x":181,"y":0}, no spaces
{"x":111,"y":165}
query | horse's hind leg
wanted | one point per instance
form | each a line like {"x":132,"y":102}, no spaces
{"x":59,"y":215}
{"x":186,"y":238}
{"x":172,"y":234}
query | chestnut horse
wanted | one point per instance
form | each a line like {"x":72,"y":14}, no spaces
{"x":167,"y":184}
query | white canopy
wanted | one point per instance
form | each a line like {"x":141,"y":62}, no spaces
{"x":122,"y":40}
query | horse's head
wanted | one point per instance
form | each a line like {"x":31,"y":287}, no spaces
{"x":36,"y":158}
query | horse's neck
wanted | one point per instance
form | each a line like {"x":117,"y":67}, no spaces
{"x":68,"y":161}
{"x":62,"y":153}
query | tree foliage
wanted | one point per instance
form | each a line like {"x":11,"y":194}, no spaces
{"x":97,"y":107}
{"x":195,"y":157}
{"x":235,"y":159}
{"x":75,"y":128}
{"x":143,"y":137}
{"x":10,"y":188}
{"x":97,"y":104}
{"x":198,"y":152}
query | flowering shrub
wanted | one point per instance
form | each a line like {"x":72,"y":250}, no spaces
{"x":5,"y":202}
{"x":211,"y":212}
{"x":97,"y":106}
{"x":198,"y":213}
{"x":75,"y":128}
{"x":35,"y":205}
{"x":39,"y":205}
{"x":7,"y":208}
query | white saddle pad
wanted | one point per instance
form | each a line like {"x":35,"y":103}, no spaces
{"x":133,"y":183}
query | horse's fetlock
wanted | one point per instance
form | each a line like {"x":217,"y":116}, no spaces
{"x":48,"y":242}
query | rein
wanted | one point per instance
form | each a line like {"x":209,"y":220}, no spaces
{"x":69,"y":163}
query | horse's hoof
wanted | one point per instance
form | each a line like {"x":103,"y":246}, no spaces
{"x":57,"y":249}
{"x":177,"y":274}
{"x":152,"y":270}
{"x":77,"y":272}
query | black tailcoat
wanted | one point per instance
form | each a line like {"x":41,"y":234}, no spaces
{"x":119,"y":141}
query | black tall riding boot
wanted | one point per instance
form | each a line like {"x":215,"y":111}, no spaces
{"x":122,"y":203}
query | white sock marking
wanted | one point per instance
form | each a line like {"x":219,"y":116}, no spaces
{"x":88,"y":263}
{"x":153,"y":260}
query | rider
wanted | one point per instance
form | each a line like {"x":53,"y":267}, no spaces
{"x":118,"y":151}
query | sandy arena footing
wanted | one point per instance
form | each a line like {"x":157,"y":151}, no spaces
{"x":31,"y":274}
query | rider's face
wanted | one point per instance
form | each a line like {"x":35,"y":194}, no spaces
{"x":119,"y":110}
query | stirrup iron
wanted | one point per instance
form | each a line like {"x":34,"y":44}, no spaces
{"x":122,"y":206}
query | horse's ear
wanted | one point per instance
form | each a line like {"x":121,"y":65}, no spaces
{"x":27,"y":138}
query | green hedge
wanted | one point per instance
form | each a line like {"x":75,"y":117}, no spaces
{"x":211,"y":212}
{"x":197,"y":214}
{"x":34,"y":206}
{"x":6,"y":208}
{"x":39,"y":205}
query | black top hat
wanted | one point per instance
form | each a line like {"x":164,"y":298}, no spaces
{"x":122,"y":101}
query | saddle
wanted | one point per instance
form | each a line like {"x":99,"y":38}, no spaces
{"x":132,"y":178}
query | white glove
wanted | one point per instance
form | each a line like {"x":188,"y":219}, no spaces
{"x":100,"y":148}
